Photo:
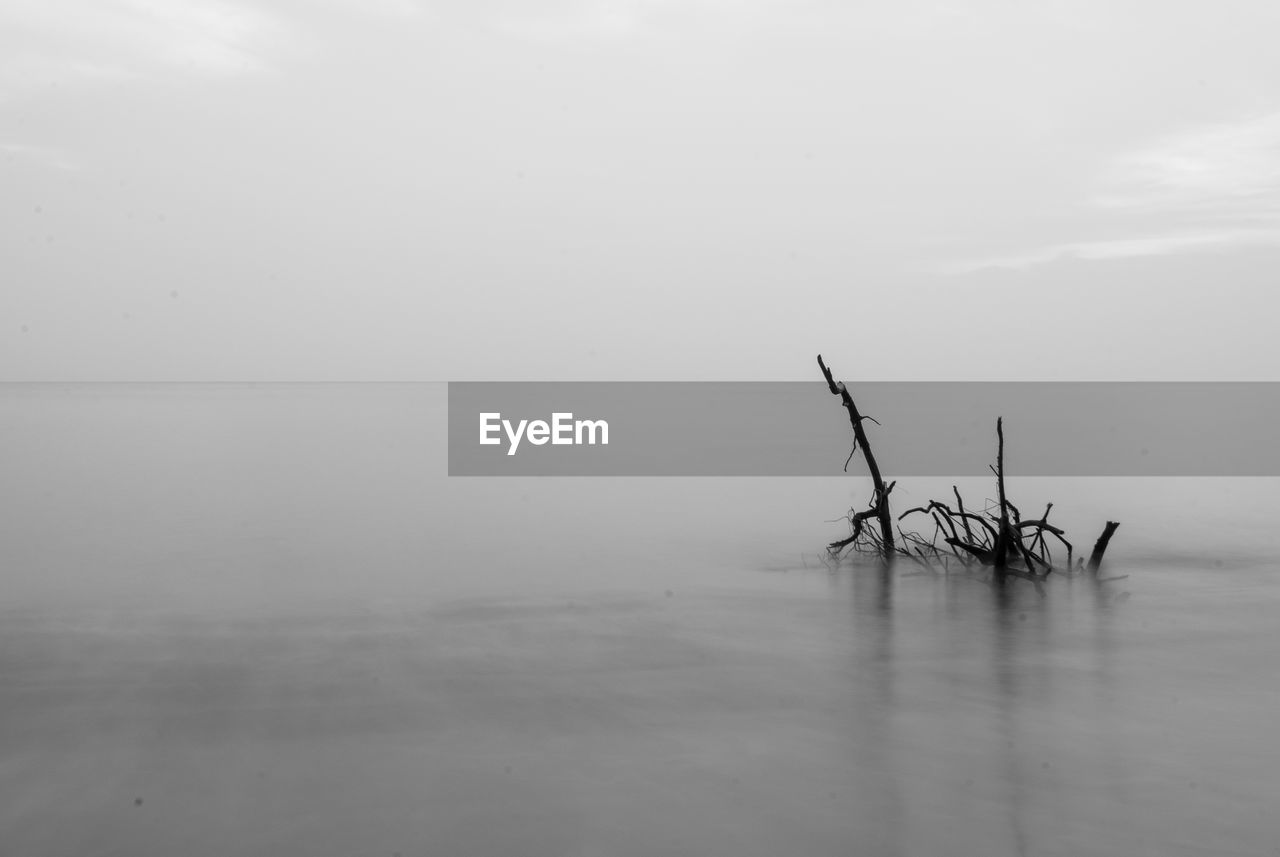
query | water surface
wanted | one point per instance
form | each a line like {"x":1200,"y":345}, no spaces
{"x":261,"y":620}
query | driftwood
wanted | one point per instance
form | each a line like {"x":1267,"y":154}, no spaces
{"x":880,"y":497}
{"x":997,"y":537}
{"x":1004,"y":542}
{"x":1100,"y":546}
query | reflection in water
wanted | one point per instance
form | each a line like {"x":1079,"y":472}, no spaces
{"x":874,"y":703}
{"x":1112,"y":784}
{"x":243,"y":621}
{"x":886,"y":713}
{"x":1010,"y":613}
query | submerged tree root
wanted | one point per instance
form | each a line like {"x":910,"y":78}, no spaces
{"x":998,"y":537}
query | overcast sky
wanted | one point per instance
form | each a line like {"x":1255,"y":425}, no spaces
{"x":638,"y":189}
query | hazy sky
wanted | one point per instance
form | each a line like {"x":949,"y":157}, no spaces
{"x":647,"y":189}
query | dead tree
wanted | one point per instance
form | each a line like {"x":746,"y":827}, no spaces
{"x":880,"y":497}
{"x":997,"y":537}
{"x":1100,"y":546}
{"x":1003,"y":542}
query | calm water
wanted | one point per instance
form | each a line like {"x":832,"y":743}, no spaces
{"x":261,"y":620}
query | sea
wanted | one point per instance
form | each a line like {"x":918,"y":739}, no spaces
{"x":242,"y":619}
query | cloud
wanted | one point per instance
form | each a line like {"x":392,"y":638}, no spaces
{"x":593,"y":20}
{"x":79,"y":42}
{"x":1226,"y":168}
{"x":43,"y":155}
{"x":1163,"y":244}
{"x":596,"y":20}
{"x":1212,"y":188}
{"x":390,"y":8}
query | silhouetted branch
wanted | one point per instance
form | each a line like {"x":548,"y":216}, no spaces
{"x":881,"y":501}
{"x":1001,"y":553}
{"x":999,"y":537}
{"x":1100,"y":546}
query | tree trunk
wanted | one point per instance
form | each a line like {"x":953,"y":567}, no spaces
{"x":1100,"y":546}
{"x":860,"y":439}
